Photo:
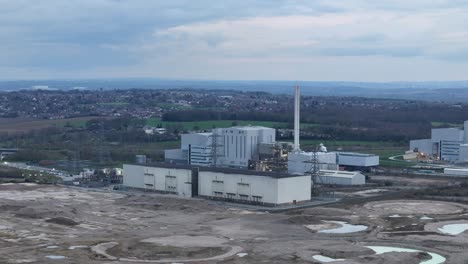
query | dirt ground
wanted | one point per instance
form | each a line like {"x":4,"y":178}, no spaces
{"x":51,"y":224}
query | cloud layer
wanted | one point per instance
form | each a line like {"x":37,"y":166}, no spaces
{"x":362,"y":40}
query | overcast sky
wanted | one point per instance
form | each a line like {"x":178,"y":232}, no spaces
{"x":336,"y":40}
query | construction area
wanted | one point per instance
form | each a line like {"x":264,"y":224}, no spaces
{"x":55,"y":224}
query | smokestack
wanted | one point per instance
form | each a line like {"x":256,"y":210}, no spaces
{"x":297,"y":103}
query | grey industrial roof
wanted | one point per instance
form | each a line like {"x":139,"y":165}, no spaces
{"x":276,"y":175}
{"x":356,"y":154}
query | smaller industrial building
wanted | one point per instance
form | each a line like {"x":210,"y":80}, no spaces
{"x":457,"y":172}
{"x":341,"y":178}
{"x":300,"y":161}
{"x":236,"y":185}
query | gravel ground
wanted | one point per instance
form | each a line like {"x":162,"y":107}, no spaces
{"x":52,"y":224}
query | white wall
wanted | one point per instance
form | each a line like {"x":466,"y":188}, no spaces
{"x":463,"y":154}
{"x":456,"y":172}
{"x":350,"y":159}
{"x":158,"y":179}
{"x":423,"y":145}
{"x":240,"y":143}
{"x":263,"y":186}
{"x":299,"y":163}
{"x":195,"y":139}
{"x":447,"y":134}
{"x":465,"y":128}
{"x":342,"y":178}
{"x":295,"y":188}
{"x":175,"y":155}
{"x":133,"y":176}
{"x":272,"y":190}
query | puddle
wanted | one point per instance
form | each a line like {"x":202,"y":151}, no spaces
{"x":344,"y":229}
{"x":55,"y":257}
{"x":425,"y":218}
{"x":454,"y":229}
{"x":241,"y":255}
{"x":436,"y":258}
{"x":75,"y":247}
{"x":325,"y":259}
{"x":395,"y":216}
{"x":52,"y":247}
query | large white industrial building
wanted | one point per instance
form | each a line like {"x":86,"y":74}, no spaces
{"x":227,"y":147}
{"x":235,"y":185}
{"x":450,"y":144}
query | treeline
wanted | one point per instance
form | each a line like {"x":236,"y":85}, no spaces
{"x":333,"y":123}
{"x":210,"y":115}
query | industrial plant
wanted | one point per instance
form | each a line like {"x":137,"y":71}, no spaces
{"x":445,"y":144}
{"x":246,"y":164}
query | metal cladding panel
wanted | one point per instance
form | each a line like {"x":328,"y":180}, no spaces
{"x":296,"y":189}
{"x":238,"y":186}
{"x":423,"y":145}
{"x":456,"y":172}
{"x":133,"y":176}
{"x":465,"y":132}
{"x":447,"y":134}
{"x":299,"y":163}
{"x":349,"y":159}
{"x":178,"y":181}
{"x":463,"y":154}
{"x":196,"y":139}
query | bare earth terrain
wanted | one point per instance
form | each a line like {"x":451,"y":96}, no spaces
{"x":51,"y":224}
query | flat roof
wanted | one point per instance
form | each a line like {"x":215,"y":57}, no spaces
{"x":356,"y":154}
{"x":276,"y":175}
{"x":456,"y":169}
{"x":338,"y":174}
{"x":249,"y":127}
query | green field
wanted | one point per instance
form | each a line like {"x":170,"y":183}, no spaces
{"x":25,"y":125}
{"x":115,"y":104}
{"x":444,"y":124}
{"x":203,"y":125}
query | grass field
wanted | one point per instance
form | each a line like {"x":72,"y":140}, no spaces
{"x":443,"y":124}
{"x":13,"y":125}
{"x":219,"y":124}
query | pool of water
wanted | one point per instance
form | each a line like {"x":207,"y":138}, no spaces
{"x":436,"y":258}
{"x":325,"y":259}
{"x":344,"y":229}
{"x":55,"y":257}
{"x":454,"y":229}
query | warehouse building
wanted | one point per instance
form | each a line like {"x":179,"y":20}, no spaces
{"x":357,"y":161}
{"x":344,"y":178}
{"x":447,"y":144}
{"x":458,"y":172}
{"x":301,"y":162}
{"x":236,"y":185}
{"x":227,"y":147}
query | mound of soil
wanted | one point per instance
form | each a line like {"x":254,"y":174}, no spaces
{"x":62,"y":221}
{"x":7,"y":208}
{"x":148,"y":251}
{"x":303,"y":220}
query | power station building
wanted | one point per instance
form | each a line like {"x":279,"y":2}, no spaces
{"x":236,"y":185}
{"x":449,"y":144}
{"x":224,"y":147}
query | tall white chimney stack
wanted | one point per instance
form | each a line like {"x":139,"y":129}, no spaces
{"x":297,"y":111}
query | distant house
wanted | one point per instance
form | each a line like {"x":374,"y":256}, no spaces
{"x":154,"y":130}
